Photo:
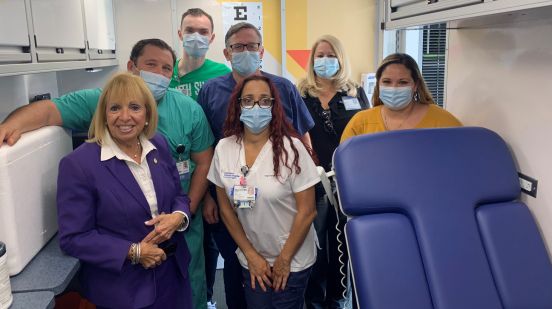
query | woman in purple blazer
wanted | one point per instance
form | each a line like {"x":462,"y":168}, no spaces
{"x":121,"y":210}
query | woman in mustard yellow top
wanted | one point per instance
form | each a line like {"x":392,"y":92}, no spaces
{"x":401,"y":101}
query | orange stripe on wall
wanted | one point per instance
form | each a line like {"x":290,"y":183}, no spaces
{"x":300,"y":56}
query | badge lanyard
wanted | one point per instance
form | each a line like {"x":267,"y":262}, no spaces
{"x":183,"y":166}
{"x":244,"y":195}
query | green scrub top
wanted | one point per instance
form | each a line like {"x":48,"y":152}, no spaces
{"x":190,"y":84}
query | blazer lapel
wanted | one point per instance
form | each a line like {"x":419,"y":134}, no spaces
{"x":122,"y":173}
{"x":157,"y":178}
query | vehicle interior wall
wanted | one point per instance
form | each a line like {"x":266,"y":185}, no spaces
{"x":140,"y":19}
{"x":352,"y":21}
{"x":499,"y":77}
{"x":15,"y":91}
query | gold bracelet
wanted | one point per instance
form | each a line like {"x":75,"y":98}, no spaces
{"x":133,"y":254}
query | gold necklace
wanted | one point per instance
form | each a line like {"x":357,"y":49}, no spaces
{"x":386,"y":123}
{"x":139,"y":152}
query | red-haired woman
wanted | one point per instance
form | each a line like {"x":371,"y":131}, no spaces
{"x":265,"y":179}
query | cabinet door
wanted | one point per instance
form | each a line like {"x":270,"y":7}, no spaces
{"x":100,"y":28}
{"x":14,"y":35}
{"x":59,"y":29}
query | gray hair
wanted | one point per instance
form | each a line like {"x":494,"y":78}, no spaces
{"x":237,"y":28}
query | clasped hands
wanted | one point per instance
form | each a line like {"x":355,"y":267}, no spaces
{"x":275,"y":277}
{"x":165,"y":225}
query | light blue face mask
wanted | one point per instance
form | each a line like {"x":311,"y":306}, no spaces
{"x":256,"y":119}
{"x":326,"y":67}
{"x":246,"y":62}
{"x":157,"y":84}
{"x":395,"y":98}
{"x":195,"y":44}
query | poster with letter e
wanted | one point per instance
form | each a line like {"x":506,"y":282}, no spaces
{"x":236,"y":12}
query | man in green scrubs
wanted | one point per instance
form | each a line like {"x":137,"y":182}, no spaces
{"x":189,"y":74}
{"x":193,"y":69}
{"x":181,"y":120}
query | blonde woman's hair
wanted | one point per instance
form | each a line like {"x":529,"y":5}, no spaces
{"x":123,"y":86}
{"x":341,"y":80}
{"x":421,"y":94}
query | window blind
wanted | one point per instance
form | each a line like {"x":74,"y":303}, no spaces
{"x":433,"y":59}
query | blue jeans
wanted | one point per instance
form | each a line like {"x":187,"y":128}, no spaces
{"x":292,"y":297}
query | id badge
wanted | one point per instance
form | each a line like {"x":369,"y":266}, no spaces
{"x":351,"y":103}
{"x":183,"y":168}
{"x":244,"y":196}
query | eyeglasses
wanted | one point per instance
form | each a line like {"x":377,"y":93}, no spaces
{"x":238,"y":47}
{"x":327,"y":121}
{"x":248,"y":102}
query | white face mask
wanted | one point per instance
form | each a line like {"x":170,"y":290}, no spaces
{"x":395,"y":98}
{"x":195,"y":44}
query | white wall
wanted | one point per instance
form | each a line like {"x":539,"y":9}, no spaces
{"x":73,"y":80}
{"x":140,"y":19}
{"x":500,"y":77}
{"x":16,"y":91}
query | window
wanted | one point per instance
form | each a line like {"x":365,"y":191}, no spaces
{"x":434,"y":40}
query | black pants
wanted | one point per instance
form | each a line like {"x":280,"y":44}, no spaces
{"x":233,"y":285}
{"x":211,"y":252}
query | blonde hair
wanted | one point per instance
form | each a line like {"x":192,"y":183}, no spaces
{"x":341,"y":80}
{"x":123,"y":86}
{"x":421,"y":95}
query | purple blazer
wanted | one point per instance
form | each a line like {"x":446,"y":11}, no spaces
{"x":102,"y":210}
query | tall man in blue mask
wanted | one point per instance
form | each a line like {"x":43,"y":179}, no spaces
{"x":181,"y":121}
{"x":244,"y":50}
{"x":193,"y":69}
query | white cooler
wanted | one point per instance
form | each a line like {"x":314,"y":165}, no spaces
{"x":28,"y":182}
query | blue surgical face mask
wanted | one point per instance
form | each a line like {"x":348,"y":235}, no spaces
{"x":246,"y":62}
{"x":157,"y":83}
{"x":195,"y":44}
{"x":395,"y":98}
{"x":256,"y":119}
{"x":326,"y":67}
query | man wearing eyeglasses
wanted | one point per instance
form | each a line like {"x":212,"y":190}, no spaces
{"x":245,"y":51}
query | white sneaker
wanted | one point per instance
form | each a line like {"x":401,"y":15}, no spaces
{"x":211,"y":305}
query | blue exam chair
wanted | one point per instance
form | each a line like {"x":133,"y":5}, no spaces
{"x":434,"y":222}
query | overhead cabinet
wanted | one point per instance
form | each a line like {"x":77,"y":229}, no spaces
{"x":100,"y":28}
{"x":52,"y":35}
{"x":408,"y":8}
{"x":406,"y":13}
{"x":14,"y":35}
{"x":58,"y":30}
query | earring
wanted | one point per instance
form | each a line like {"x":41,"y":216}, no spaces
{"x":147,"y":123}
{"x":416,"y":96}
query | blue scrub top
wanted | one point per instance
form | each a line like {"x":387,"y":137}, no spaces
{"x":215,"y":94}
